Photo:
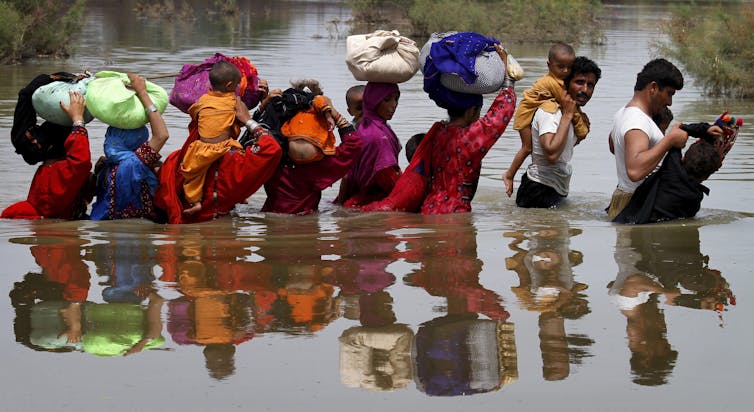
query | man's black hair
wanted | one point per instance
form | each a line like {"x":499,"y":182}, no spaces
{"x":583,"y":65}
{"x":660,"y":71}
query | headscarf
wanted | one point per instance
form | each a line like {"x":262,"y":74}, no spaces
{"x":49,"y":135}
{"x":455,"y":54}
{"x":120,"y":146}
{"x":373,"y":127}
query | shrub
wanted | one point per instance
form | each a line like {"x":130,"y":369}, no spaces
{"x":513,"y":20}
{"x":38,"y":27}
{"x":717,"y":47}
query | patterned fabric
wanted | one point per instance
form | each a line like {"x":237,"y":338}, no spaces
{"x":444,"y":172}
{"x":126,"y":183}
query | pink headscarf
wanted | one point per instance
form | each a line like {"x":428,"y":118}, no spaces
{"x":380,"y":145}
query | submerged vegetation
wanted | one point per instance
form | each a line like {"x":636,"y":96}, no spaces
{"x":716,"y":46}
{"x":38,"y":27}
{"x":571,"y":21}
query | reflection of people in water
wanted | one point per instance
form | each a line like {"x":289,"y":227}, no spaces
{"x":460,"y":353}
{"x":377,"y":354}
{"x":654,"y":261}
{"x":546,"y":285}
{"x":217,"y":309}
{"x":450,"y":268}
{"x":305,"y":286}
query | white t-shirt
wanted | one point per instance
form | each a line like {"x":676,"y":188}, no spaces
{"x":630,"y":118}
{"x":557,"y":175}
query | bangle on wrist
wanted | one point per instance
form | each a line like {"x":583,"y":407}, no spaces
{"x":151,"y":108}
{"x":251,"y":124}
{"x":508,"y":82}
{"x":79,"y":123}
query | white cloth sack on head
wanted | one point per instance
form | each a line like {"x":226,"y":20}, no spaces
{"x":46,"y":100}
{"x":489,"y":69}
{"x":382,"y":56}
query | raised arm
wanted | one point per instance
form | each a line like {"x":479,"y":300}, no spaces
{"x":156,"y":122}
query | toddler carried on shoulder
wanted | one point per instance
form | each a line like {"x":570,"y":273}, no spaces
{"x":215,"y":113}
{"x":546,"y":94}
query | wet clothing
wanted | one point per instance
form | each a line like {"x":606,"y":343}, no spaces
{"x":626,"y":119}
{"x":297,"y":189}
{"x":374,"y":174}
{"x":311,"y":126}
{"x":127,"y":181}
{"x":444,"y":172}
{"x":198,"y":158}
{"x":665,"y":195}
{"x":58,"y":188}
{"x":230,"y":180}
{"x":534,"y":194}
{"x":215,"y":114}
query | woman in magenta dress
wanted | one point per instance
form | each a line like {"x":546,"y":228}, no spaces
{"x":374,"y":174}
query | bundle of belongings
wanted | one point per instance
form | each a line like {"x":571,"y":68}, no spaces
{"x":675,"y":190}
{"x":302,"y":123}
{"x":52,"y":133}
{"x":460,"y":67}
{"x":110,"y":100}
{"x":382,"y":57}
{"x":193,"y":81}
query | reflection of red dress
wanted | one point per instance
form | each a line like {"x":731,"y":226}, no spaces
{"x":61,"y":263}
{"x":56,"y":187}
{"x":230,"y":180}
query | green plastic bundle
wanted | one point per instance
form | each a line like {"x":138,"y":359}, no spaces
{"x":109,"y":100}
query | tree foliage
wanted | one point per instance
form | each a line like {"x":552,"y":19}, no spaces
{"x":38,"y":27}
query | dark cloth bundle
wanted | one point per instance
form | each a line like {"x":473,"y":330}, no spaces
{"x":278,"y":111}
{"x":667,"y":194}
{"x":49,"y":135}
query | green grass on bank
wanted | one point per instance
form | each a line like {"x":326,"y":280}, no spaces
{"x":545,"y":21}
{"x":716,"y":46}
{"x":38,"y":27}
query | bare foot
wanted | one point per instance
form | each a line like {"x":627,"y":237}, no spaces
{"x":193,"y":208}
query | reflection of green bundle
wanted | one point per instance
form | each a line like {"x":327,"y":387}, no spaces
{"x":47,"y":324}
{"x":113,"y":328}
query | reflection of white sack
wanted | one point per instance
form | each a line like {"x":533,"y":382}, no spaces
{"x":382,"y":56}
{"x":376,"y":358}
{"x":489,"y":69}
{"x":46,"y":100}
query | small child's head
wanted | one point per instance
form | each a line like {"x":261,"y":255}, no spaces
{"x":224,"y":77}
{"x":663,"y":119}
{"x":412,"y":144}
{"x":354,"y":100}
{"x":701,"y":160}
{"x":559,"y":60}
{"x":311,"y":84}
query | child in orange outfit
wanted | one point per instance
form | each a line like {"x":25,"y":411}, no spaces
{"x":215,"y":113}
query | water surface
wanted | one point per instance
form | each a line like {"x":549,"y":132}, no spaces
{"x":491,"y":309}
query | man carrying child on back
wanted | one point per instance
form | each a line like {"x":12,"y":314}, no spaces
{"x":546,"y":93}
{"x":215,"y":113}
{"x":547,"y":179}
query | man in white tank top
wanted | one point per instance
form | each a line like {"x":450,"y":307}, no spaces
{"x":636,"y":141}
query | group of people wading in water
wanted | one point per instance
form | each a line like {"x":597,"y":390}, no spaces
{"x":219,"y":167}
